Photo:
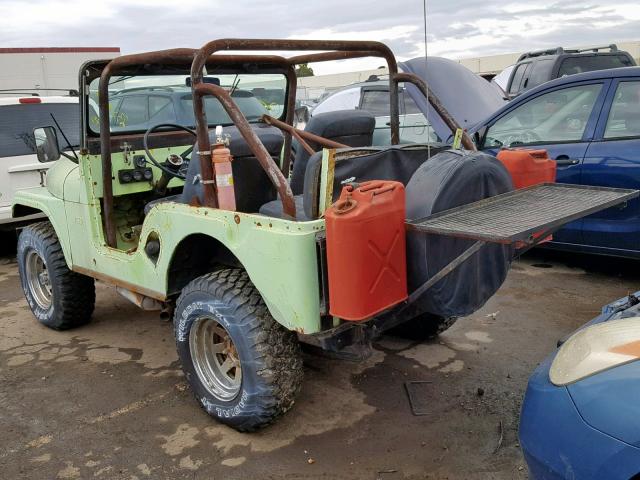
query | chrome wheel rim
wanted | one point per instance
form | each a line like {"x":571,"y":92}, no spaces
{"x":38,"y":280}
{"x":215,"y":358}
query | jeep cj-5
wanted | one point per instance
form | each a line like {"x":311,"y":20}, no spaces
{"x":262,"y":236}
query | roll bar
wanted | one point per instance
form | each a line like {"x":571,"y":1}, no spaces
{"x":318,"y":51}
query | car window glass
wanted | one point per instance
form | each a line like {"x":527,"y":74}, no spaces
{"x":343,"y":100}
{"x":249,"y":105}
{"x":133,"y":111}
{"x":18,"y":121}
{"x":94,"y":113}
{"x":502,"y":78}
{"x":410,"y":106}
{"x":588,"y":63}
{"x":624,"y":117}
{"x":159,"y":105}
{"x":540,"y":73}
{"x":517,"y":77}
{"x":524,"y":83}
{"x":376,"y":102}
{"x":414,"y":127}
{"x":137,"y":102}
{"x":557,"y":116}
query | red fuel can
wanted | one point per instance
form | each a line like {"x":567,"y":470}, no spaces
{"x":366,"y":250}
{"x":528,"y":167}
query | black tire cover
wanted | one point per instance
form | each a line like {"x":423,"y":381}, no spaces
{"x":447,"y":180}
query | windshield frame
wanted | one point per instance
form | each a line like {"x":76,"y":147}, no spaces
{"x":225,"y":65}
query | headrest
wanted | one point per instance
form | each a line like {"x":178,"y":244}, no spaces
{"x":342,"y":123}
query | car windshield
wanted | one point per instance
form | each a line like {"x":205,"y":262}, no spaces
{"x":580,"y":64}
{"x":139,"y":102}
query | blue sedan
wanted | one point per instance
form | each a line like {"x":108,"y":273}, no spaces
{"x":590,"y":124}
{"x":581,"y":413}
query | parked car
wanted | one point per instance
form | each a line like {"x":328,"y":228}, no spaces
{"x":138,"y":108}
{"x":580,"y":417}
{"x":535,"y":68}
{"x":590,"y":124}
{"x":469,"y":99}
{"x":20,"y":168}
{"x":373,"y":96}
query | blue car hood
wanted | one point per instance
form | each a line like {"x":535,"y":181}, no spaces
{"x":468,"y":98}
{"x":610,"y":401}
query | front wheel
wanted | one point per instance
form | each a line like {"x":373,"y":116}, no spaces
{"x":244,"y":368}
{"x":59,"y":298}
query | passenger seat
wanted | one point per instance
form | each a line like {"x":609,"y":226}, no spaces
{"x":353,"y":128}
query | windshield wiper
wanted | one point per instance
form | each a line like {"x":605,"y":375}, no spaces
{"x":65,"y":139}
{"x":234,"y":85}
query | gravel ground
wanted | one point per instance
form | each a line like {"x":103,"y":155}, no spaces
{"x":109,"y":401}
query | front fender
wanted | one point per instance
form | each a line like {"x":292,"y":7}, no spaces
{"x":40,"y":199}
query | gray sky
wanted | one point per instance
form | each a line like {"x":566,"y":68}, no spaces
{"x":456,"y":28}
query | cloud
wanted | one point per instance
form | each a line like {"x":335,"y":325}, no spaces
{"x":456,"y":28}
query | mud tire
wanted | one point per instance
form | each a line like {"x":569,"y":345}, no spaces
{"x":72,"y":296}
{"x":269,"y":355}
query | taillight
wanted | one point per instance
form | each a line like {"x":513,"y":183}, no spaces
{"x":30,"y":100}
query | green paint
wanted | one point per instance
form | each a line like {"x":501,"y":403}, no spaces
{"x":279,"y":255}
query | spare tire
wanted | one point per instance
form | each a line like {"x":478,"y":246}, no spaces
{"x":447,"y":180}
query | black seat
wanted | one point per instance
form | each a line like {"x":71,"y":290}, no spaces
{"x":398,"y":163}
{"x":350,"y":127}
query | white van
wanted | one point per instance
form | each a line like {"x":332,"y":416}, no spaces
{"x":19,"y":165}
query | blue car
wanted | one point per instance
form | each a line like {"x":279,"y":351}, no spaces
{"x":581,"y":413}
{"x":590,"y":124}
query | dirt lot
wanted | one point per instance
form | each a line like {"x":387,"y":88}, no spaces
{"x":108,"y":400}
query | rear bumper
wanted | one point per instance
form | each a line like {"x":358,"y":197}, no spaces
{"x":558,"y":444}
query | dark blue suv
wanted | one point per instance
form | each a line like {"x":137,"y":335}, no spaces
{"x":590,"y":124}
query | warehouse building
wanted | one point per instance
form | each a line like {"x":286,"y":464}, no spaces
{"x":46,"y":69}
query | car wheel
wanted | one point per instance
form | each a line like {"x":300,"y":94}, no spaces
{"x":59,"y":298}
{"x":244,"y":368}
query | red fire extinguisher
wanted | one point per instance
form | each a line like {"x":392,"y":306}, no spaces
{"x":221,"y":158}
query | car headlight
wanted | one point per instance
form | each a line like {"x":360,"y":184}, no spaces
{"x":595,"y":349}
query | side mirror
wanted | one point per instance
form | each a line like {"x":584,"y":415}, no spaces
{"x":47,"y":148}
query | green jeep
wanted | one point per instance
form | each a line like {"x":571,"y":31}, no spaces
{"x":138,"y":210}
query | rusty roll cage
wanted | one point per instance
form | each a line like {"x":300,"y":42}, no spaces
{"x":198,"y":59}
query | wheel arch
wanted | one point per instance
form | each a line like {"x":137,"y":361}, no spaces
{"x":28,"y":211}
{"x":195,"y":255}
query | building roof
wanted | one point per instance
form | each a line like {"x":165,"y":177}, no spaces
{"x":61,"y":50}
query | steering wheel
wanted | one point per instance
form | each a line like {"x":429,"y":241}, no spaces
{"x":178,"y":164}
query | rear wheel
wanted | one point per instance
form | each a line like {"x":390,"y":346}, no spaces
{"x":244,"y":368}
{"x":423,"y":327}
{"x":59,"y":298}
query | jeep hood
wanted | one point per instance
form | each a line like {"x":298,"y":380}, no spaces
{"x":468,"y":97}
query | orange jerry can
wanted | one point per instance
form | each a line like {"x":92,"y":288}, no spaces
{"x":528,"y":167}
{"x":366,"y":250}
